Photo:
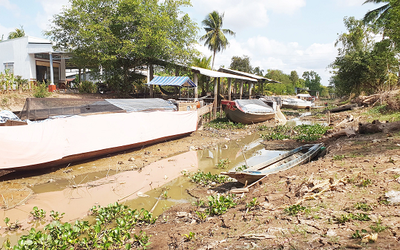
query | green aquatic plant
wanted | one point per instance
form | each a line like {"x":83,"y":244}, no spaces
{"x":224,"y":123}
{"x":300,"y":133}
{"x":37,"y":213}
{"x":220,"y":204}
{"x":56,"y":215}
{"x":112,"y":228}
{"x":222,"y":164}
{"x":207,"y":178}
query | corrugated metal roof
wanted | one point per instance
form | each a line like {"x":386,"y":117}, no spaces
{"x":212,"y":73}
{"x":231,"y":71}
{"x":181,"y":81}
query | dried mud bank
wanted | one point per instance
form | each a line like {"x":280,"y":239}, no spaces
{"x":336,"y":202}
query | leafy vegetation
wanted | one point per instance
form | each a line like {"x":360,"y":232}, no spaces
{"x":113,"y":228}
{"x":87,"y":87}
{"x":299,"y":133}
{"x":343,"y":218}
{"x":220,"y":204}
{"x":222,"y":164}
{"x":224,"y":123}
{"x":41,"y":90}
{"x":38,"y":214}
{"x":294,"y":209}
{"x":207,"y":178}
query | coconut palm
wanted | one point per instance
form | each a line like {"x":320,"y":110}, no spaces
{"x":377,"y":15}
{"x":215,"y":35}
{"x":17,"y":33}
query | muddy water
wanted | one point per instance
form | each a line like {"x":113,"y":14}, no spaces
{"x":156,"y":187}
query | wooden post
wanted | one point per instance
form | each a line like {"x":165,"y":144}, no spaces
{"x":215,"y":97}
{"x":229,"y":89}
{"x":219,"y":92}
{"x":196,"y":81}
{"x":150,"y":77}
{"x":241,"y":90}
{"x":250,"y":89}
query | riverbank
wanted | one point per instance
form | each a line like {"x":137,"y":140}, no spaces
{"x":337,"y":201}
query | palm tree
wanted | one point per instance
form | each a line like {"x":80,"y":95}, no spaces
{"x":17,"y":33}
{"x":215,"y":35}
{"x":377,"y":15}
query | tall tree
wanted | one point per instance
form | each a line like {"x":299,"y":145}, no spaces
{"x":241,"y":64}
{"x":312,"y":80}
{"x":19,"y":32}
{"x":215,"y":35}
{"x":258,"y":71}
{"x":123,"y":35}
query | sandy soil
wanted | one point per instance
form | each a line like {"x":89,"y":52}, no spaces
{"x":340,"y":198}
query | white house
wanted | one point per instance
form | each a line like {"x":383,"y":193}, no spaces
{"x":33,"y":59}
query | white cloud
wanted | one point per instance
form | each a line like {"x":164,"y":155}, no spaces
{"x":350,"y":2}
{"x":9,"y":6}
{"x":50,"y":8}
{"x":242,"y":14}
{"x":271,"y":54}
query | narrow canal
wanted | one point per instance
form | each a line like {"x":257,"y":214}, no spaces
{"x":162,"y":180}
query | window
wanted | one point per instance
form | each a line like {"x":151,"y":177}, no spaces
{"x":9,"y":66}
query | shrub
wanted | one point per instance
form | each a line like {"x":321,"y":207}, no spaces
{"x":41,"y":91}
{"x":87,"y":87}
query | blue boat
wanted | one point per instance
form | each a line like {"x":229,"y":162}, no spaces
{"x":282,"y":162}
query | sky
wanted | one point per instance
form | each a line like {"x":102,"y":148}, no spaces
{"x":276,"y":34}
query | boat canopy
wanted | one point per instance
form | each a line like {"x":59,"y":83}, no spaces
{"x":43,"y":108}
{"x":254,"y":106}
{"x":178,"y":81}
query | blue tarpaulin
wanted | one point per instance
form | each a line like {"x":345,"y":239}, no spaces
{"x":179,"y":81}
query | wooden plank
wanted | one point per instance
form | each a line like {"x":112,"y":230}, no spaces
{"x":204,"y":110}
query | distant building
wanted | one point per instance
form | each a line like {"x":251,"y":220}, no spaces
{"x":33,"y":59}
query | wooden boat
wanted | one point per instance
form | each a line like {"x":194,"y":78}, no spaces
{"x":296,"y":103}
{"x":56,"y":141}
{"x":247,"y":111}
{"x":283,"y":162}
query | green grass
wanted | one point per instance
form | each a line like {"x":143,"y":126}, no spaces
{"x":382,"y":113}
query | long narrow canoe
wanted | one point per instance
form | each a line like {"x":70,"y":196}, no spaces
{"x":282,"y":162}
{"x":247,"y":111}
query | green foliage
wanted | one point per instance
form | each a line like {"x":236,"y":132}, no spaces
{"x":363,"y":65}
{"x":202,"y":216}
{"x":294,"y":209}
{"x":220,"y":204}
{"x":253,"y":203}
{"x":87,"y":87}
{"x":224,"y":123}
{"x":113,"y":228}
{"x":312,"y":80}
{"x":378,"y":227}
{"x":11,"y":225}
{"x":19,"y":32}
{"x":38,"y":214}
{"x":222,"y":164}
{"x":41,"y":90}
{"x":362,"y":206}
{"x":207,"y":178}
{"x":56,"y":215}
{"x":358,"y":234}
{"x":190,"y":236}
{"x":338,"y":157}
{"x":215,"y":38}
{"x":241,"y":64}
{"x":365,"y":182}
{"x":241,"y":168}
{"x":300,"y":132}
{"x":343,"y":218}
{"x":123,"y":35}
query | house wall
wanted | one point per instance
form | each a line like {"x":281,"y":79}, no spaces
{"x":20,"y":51}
